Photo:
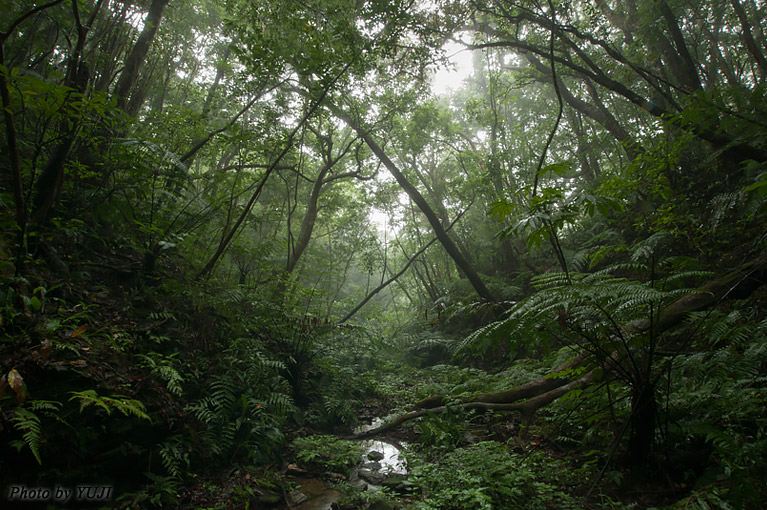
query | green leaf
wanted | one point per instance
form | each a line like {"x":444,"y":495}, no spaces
{"x":34,"y":304}
{"x":558,"y":168}
{"x":759,"y":185}
{"x":500,"y":209}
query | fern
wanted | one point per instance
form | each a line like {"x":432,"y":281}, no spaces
{"x":122,"y":403}
{"x":163,"y":367}
{"x":28,"y":424}
{"x":174,"y":454}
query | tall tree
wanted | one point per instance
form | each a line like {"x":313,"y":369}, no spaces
{"x":136,"y":58}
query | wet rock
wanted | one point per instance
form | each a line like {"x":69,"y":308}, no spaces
{"x":382,"y":505}
{"x":370,"y":476}
{"x":296,"y":497}
{"x":375,"y":456}
{"x":294,"y":470}
{"x":373,"y":466}
{"x":269,"y":498}
{"x":398,"y":483}
{"x":393,"y":480}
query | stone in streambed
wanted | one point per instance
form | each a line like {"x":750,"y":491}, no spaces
{"x":398,"y":483}
{"x":370,"y":476}
{"x":375,"y":456}
{"x":296,"y":497}
{"x":269,"y":498}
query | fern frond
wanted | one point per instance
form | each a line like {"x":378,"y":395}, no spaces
{"x":551,"y":280}
{"x":676,"y":278}
{"x":28,"y":423}
{"x":120,"y":402}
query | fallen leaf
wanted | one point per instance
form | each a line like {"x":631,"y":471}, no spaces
{"x":80,"y":330}
{"x":16,"y":382}
{"x":45,"y":349}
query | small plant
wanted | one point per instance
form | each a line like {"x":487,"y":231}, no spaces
{"x":160,"y":492}
{"x":123,"y":404}
{"x":327,"y":453}
{"x":488,"y":475}
{"x":27,"y":422}
{"x":444,"y":430}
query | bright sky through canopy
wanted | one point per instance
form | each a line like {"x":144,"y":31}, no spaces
{"x":451,"y":78}
{"x":444,"y":81}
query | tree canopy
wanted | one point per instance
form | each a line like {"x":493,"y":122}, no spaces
{"x":240,"y":222}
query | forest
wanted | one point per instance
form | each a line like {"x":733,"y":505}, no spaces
{"x":383,"y":254}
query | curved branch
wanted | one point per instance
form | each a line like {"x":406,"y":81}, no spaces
{"x":400,"y":273}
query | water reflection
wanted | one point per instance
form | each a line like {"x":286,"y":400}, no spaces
{"x":391,"y":462}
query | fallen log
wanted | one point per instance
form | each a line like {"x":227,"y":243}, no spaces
{"x":737,"y":284}
{"x":526,"y":408}
{"x":527,"y":390}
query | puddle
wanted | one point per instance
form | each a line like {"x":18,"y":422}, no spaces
{"x":381,"y":462}
{"x":320,"y":497}
{"x":377,"y":422}
{"x":391,"y":462}
{"x":370,"y":474}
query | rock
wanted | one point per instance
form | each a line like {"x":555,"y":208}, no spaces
{"x":296,"y":497}
{"x":373,"y":466}
{"x":269,"y":498}
{"x":373,"y":477}
{"x":399,"y":483}
{"x":382,"y":504}
{"x":394,"y":480}
{"x":294,"y":470}
{"x":375,"y":456}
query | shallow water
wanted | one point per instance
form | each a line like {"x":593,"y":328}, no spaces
{"x":392,"y":462}
{"x":321,"y":497}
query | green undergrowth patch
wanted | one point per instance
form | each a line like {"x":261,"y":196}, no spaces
{"x":490,"y":475}
{"x":406,"y":384}
{"x":327,"y":453}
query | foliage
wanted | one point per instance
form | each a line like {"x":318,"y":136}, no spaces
{"x":490,"y":475}
{"x":125,"y":405}
{"x":239,"y":420}
{"x":717,"y":397}
{"x":187,"y":212}
{"x":327,"y":453}
{"x":28,"y":423}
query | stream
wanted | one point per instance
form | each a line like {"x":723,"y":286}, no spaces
{"x":380,"y":465}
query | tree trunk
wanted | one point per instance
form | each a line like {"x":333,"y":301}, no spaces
{"x":737,"y":284}
{"x":307,"y":225}
{"x":644,"y":412}
{"x":753,"y":48}
{"x":137,"y":56}
{"x":420,"y":201}
{"x":52,"y":177}
{"x":600,"y":115}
